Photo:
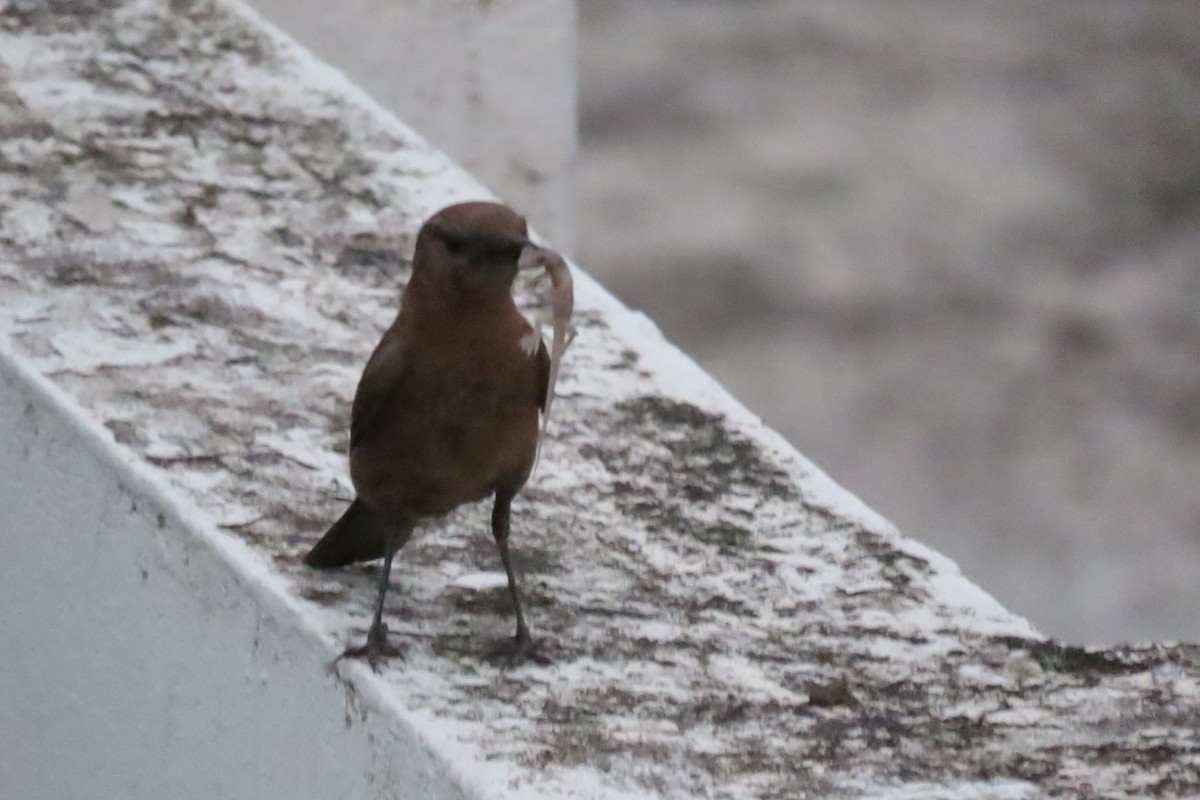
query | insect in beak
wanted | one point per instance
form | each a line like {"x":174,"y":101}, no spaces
{"x":562,"y":303}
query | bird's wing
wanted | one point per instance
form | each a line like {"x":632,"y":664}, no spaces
{"x":381,"y":382}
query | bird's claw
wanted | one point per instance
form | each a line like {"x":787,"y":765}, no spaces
{"x":516,"y":651}
{"x":376,"y":650}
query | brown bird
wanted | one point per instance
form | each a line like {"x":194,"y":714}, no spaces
{"x":446,"y":412}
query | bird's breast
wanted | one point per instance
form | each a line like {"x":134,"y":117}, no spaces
{"x":465,"y":424}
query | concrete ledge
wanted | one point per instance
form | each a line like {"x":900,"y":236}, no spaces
{"x":149,"y":655}
{"x":203,"y":233}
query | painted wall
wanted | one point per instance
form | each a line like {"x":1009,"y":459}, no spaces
{"x":138,"y":662}
{"x":493,"y":84}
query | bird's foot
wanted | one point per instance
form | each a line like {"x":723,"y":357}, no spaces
{"x":376,"y":650}
{"x":516,"y":651}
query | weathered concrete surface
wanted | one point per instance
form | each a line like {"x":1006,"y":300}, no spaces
{"x":203,"y":233}
{"x":493,"y":84}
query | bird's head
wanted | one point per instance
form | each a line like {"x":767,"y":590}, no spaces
{"x":472,"y":247}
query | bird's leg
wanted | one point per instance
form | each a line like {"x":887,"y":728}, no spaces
{"x":520,"y":647}
{"x":377,"y":646}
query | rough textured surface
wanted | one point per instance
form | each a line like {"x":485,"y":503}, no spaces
{"x":202,"y":234}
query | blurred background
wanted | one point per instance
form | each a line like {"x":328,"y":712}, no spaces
{"x":949,"y":248}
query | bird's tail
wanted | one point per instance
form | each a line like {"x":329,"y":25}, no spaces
{"x":360,"y":535}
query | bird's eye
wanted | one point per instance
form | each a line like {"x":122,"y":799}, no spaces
{"x":454,"y":245}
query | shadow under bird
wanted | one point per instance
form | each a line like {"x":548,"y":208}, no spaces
{"x":446,"y":412}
